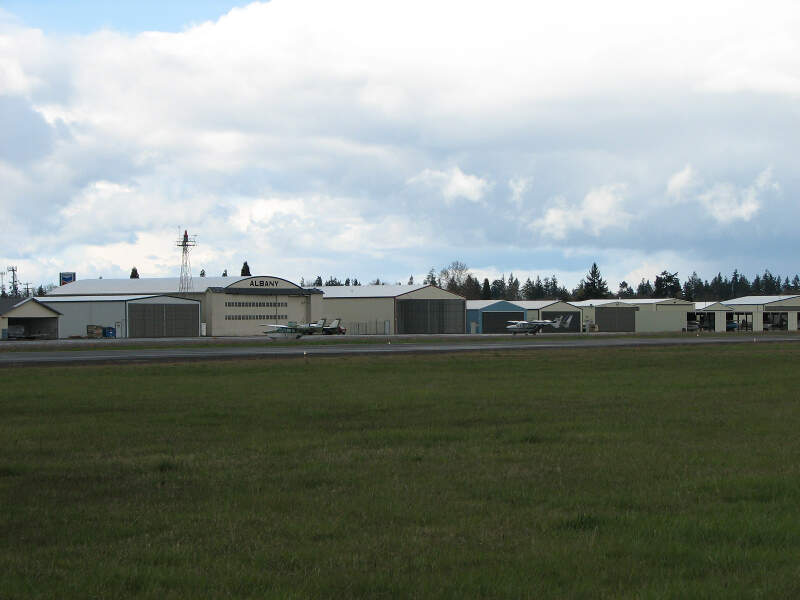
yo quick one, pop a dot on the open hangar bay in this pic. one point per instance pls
(241, 306)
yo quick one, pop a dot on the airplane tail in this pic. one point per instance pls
(564, 322)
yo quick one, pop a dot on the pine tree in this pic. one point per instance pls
(134, 273)
(245, 269)
(594, 286)
(486, 290)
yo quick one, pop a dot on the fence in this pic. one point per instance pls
(368, 327)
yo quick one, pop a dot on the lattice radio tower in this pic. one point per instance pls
(186, 243)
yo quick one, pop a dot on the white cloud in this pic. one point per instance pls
(301, 129)
(519, 187)
(681, 183)
(727, 203)
(601, 209)
(453, 184)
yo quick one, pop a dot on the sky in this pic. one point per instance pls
(376, 139)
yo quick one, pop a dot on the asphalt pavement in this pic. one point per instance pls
(299, 349)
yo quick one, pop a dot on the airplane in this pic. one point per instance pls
(334, 328)
(293, 329)
(536, 326)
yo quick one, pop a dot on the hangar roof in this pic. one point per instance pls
(603, 301)
(146, 286)
(49, 299)
(368, 291)
(9, 304)
(758, 299)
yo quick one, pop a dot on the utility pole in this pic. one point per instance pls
(14, 282)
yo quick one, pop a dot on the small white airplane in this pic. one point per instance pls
(295, 330)
(534, 327)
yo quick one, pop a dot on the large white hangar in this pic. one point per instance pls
(390, 309)
(223, 306)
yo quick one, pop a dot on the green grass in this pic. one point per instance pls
(616, 473)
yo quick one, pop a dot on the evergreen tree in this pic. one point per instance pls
(693, 288)
(486, 290)
(245, 269)
(134, 273)
(430, 278)
(528, 290)
(472, 288)
(624, 290)
(499, 288)
(644, 289)
(667, 285)
(538, 289)
(592, 287)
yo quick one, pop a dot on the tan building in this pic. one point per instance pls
(228, 306)
(390, 309)
(640, 315)
(27, 319)
(764, 313)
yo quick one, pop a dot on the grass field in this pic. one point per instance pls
(618, 473)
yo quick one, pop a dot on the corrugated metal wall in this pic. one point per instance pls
(431, 316)
(615, 318)
(496, 322)
(163, 320)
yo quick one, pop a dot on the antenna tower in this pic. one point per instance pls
(186, 243)
(14, 282)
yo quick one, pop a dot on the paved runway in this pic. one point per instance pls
(299, 349)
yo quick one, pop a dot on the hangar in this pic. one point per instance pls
(226, 306)
(765, 313)
(641, 315)
(492, 316)
(27, 319)
(127, 316)
(390, 309)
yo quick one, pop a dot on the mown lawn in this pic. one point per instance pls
(639, 473)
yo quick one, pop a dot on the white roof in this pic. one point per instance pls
(535, 304)
(149, 286)
(49, 299)
(758, 300)
(367, 291)
(599, 302)
(631, 301)
(479, 304)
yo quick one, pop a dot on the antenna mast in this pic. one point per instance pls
(14, 283)
(186, 243)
